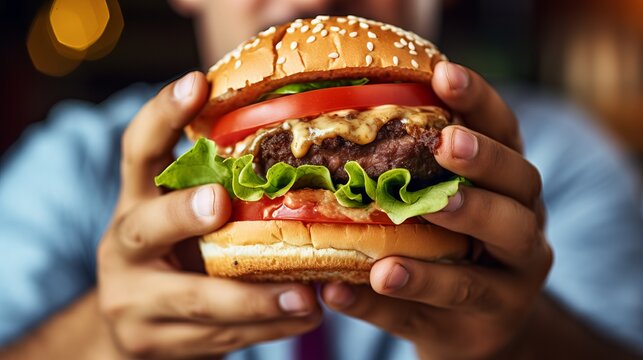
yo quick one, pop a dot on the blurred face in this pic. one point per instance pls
(223, 24)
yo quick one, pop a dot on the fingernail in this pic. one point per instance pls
(342, 295)
(292, 302)
(203, 202)
(397, 278)
(455, 202)
(183, 87)
(457, 76)
(465, 145)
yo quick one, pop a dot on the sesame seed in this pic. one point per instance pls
(271, 30)
(296, 24)
(372, 35)
(293, 45)
(237, 64)
(411, 45)
(281, 60)
(318, 28)
(333, 55)
(290, 30)
(323, 17)
(342, 32)
(385, 27)
(413, 52)
(255, 43)
(369, 60)
(353, 34)
(370, 46)
(324, 33)
(351, 17)
(334, 28)
(363, 25)
(403, 41)
(396, 60)
(299, 20)
(247, 46)
(278, 46)
(341, 20)
(304, 28)
(352, 22)
(398, 45)
(315, 21)
(236, 53)
(414, 63)
(310, 39)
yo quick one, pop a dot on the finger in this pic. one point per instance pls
(151, 228)
(361, 302)
(149, 140)
(481, 108)
(508, 230)
(179, 340)
(445, 286)
(489, 164)
(225, 301)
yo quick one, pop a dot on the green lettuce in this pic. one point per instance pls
(313, 85)
(201, 165)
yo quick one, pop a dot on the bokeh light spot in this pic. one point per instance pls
(41, 49)
(78, 23)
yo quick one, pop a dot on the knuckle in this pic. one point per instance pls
(111, 308)
(193, 305)
(528, 243)
(136, 343)
(224, 339)
(128, 233)
(495, 155)
(428, 285)
(536, 187)
(256, 307)
(464, 292)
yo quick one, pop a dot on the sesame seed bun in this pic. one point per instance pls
(322, 48)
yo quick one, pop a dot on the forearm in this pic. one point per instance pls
(553, 333)
(78, 332)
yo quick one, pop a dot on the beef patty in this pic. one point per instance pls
(394, 147)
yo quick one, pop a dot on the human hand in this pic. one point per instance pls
(154, 309)
(466, 311)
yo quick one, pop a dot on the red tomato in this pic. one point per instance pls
(236, 125)
(306, 210)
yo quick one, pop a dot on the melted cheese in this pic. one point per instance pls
(359, 127)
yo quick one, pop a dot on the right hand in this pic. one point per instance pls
(153, 308)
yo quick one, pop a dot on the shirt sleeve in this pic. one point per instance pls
(58, 186)
(594, 221)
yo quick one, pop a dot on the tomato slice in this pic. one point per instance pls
(236, 125)
(309, 206)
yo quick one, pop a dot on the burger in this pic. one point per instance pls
(323, 133)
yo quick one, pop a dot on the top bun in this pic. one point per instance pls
(323, 48)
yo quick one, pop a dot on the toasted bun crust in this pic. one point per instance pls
(314, 49)
(294, 251)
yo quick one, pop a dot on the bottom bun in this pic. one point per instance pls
(294, 251)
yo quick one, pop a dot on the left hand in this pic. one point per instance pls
(466, 311)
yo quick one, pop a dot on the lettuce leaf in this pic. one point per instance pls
(200, 165)
(314, 85)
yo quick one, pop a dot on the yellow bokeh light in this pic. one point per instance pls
(66, 32)
(42, 52)
(78, 24)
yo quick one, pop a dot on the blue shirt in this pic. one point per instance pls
(59, 183)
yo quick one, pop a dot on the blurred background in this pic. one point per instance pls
(589, 51)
